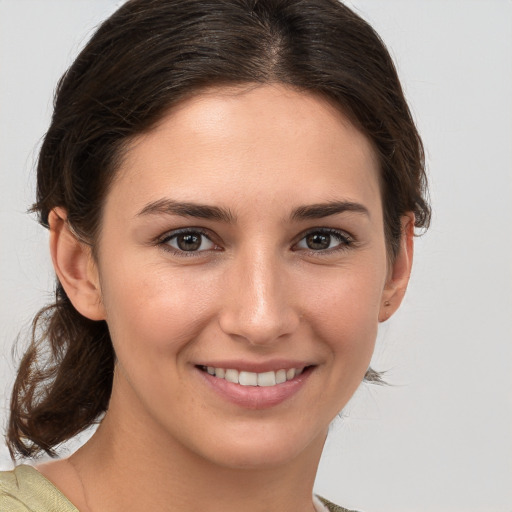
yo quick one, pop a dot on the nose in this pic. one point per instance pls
(259, 304)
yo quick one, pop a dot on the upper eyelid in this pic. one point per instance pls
(207, 232)
(342, 232)
(348, 242)
(174, 232)
(212, 236)
(162, 242)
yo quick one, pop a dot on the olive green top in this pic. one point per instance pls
(26, 490)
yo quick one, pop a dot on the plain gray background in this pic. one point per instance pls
(440, 438)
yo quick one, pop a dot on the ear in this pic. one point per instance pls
(75, 267)
(399, 272)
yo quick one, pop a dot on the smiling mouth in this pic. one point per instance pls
(264, 379)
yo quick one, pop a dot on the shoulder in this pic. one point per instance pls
(25, 490)
(331, 507)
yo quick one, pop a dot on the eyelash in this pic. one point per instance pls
(345, 241)
(164, 241)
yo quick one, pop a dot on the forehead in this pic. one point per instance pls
(249, 145)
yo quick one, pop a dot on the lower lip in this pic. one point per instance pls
(256, 397)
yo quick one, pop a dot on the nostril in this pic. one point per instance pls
(260, 327)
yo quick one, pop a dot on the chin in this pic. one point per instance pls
(261, 449)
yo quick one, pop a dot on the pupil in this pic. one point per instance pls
(189, 242)
(318, 241)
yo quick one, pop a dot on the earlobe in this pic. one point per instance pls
(400, 271)
(75, 267)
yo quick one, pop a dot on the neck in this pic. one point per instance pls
(130, 464)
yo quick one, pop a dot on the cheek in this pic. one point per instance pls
(345, 321)
(343, 310)
(153, 310)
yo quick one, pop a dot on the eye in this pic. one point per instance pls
(188, 241)
(324, 240)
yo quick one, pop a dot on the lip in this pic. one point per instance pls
(255, 397)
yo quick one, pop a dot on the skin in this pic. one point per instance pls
(257, 293)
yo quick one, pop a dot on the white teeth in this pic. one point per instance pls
(231, 376)
(267, 379)
(280, 376)
(264, 379)
(248, 379)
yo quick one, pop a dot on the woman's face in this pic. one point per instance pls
(243, 237)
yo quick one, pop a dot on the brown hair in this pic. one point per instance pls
(145, 58)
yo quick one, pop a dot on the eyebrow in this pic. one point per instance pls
(321, 210)
(185, 209)
(202, 211)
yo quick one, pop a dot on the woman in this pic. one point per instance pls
(231, 189)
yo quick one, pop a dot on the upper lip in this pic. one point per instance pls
(256, 367)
